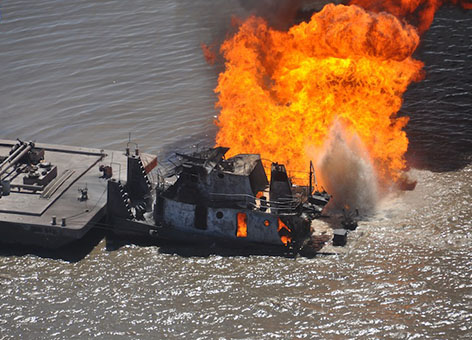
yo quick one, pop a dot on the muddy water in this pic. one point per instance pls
(87, 73)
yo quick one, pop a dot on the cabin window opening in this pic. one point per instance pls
(241, 230)
(219, 215)
(266, 223)
(285, 232)
(201, 217)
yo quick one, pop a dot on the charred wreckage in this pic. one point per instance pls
(52, 195)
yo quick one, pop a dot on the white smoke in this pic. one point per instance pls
(347, 172)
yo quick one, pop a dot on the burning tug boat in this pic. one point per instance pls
(213, 199)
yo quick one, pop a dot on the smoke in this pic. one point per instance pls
(280, 14)
(348, 174)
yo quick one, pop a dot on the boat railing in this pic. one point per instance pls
(257, 203)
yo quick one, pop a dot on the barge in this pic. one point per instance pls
(51, 195)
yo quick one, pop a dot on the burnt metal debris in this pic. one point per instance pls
(52, 195)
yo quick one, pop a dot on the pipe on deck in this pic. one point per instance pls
(16, 159)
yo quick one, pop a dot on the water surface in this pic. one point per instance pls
(89, 72)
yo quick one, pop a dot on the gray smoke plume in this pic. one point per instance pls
(280, 14)
(347, 172)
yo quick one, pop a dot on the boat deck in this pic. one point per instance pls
(52, 213)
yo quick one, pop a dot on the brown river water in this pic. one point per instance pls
(89, 72)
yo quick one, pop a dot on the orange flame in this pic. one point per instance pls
(466, 4)
(418, 12)
(282, 227)
(241, 230)
(282, 91)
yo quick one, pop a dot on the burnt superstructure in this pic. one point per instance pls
(215, 199)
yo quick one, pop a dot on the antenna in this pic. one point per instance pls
(136, 150)
(312, 176)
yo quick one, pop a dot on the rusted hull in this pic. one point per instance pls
(222, 223)
(171, 237)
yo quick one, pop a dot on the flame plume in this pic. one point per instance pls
(418, 12)
(282, 91)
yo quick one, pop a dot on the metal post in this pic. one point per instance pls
(311, 178)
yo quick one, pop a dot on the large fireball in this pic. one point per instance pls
(281, 92)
